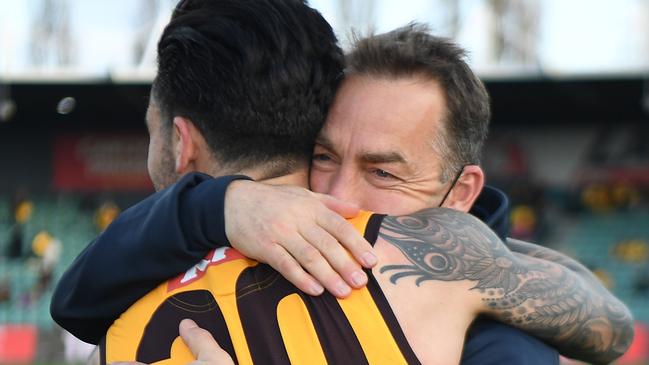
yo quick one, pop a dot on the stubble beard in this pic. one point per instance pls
(165, 173)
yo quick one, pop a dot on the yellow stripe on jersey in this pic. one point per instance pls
(360, 221)
(299, 335)
(366, 319)
(230, 312)
(123, 337)
(370, 329)
(229, 309)
(179, 354)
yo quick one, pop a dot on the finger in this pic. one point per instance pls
(337, 259)
(348, 236)
(345, 209)
(202, 344)
(290, 269)
(311, 259)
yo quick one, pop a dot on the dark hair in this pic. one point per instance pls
(412, 51)
(256, 77)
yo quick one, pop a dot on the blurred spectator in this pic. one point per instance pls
(48, 250)
(604, 277)
(603, 198)
(21, 211)
(105, 215)
(523, 222)
(624, 196)
(15, 247)
(632, 251)
(596, 198)
(527, 217)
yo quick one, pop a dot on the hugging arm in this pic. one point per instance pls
(146, 245)
(173, 229)
(546, 254)
(548, 300)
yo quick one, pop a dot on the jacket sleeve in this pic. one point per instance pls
(492, 343)
(147, 244)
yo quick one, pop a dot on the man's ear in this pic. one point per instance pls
(467, 189)
(186, 148)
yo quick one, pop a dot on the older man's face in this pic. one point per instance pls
(378, 148)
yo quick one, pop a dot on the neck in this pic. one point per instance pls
(299, 178)
(296, 177)
(296, 174)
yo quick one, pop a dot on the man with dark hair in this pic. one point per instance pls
(395, 122)
(264, 74)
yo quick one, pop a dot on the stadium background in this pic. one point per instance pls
(569, 83)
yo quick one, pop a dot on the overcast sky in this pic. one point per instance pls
(576, 36)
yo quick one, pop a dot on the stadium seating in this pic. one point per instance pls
(594, 239)
(62, 218)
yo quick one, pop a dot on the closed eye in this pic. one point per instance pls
(321, 157)
(384, 175)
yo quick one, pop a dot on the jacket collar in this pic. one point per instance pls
(492, 207)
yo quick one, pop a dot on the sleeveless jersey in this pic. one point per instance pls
(259, 317)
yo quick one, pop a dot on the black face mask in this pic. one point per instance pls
(455, 180)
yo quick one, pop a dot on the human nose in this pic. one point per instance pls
(344, 187)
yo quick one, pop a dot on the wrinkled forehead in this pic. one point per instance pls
(384, 115)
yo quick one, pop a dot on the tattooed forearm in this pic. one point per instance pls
(582, 320)
(615, 311)
(546, 254)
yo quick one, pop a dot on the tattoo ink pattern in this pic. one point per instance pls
(451, 259)
(544, 298)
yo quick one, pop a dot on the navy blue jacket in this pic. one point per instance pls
(173, 229)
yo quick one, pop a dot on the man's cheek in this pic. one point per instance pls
(319, 181)
(386, 202)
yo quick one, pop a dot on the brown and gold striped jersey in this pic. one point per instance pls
(259, 317)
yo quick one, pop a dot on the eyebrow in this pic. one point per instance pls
(367, 157)
(325, 142)
(382, 157)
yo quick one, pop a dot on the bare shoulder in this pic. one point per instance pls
(419, 256)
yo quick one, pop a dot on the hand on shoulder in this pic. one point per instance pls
(301, 234)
